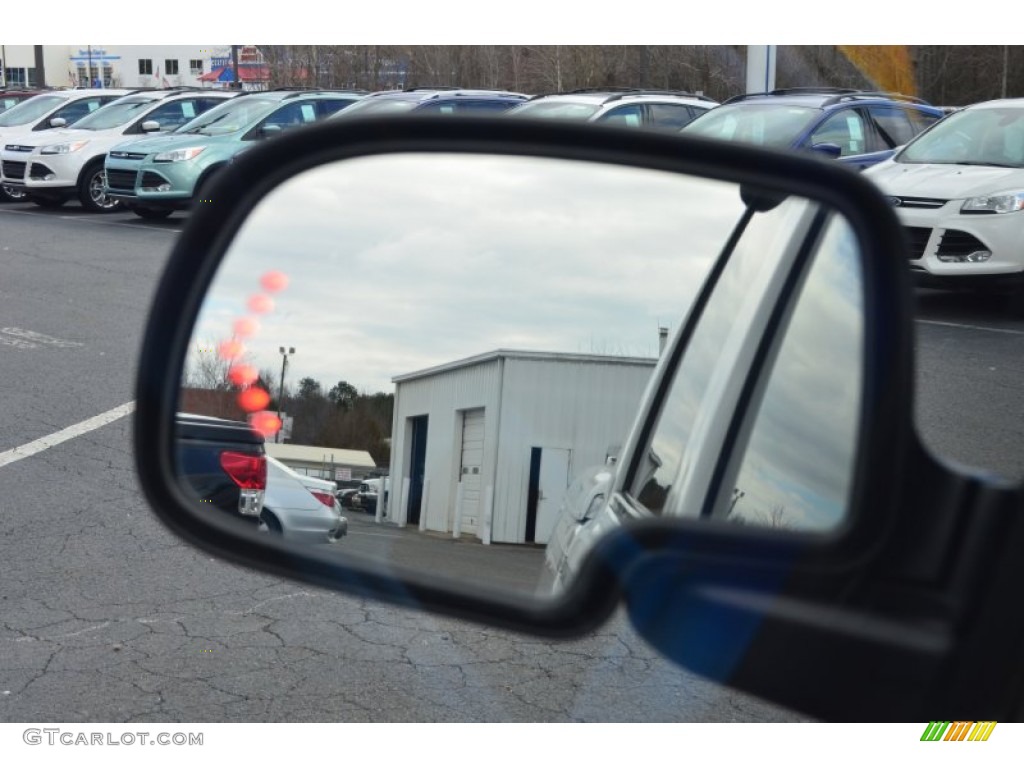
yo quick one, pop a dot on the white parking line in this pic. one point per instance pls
(75, 430)
(33, 339)
(1012, 331)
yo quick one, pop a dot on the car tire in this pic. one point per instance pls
(90, 190)
(152, 213)
(270, 522)
(12, 195)
(47, 202)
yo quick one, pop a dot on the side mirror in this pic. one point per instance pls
(149, 126)
(827, 149)
(269, 131)
(58, 122)
(769, 488)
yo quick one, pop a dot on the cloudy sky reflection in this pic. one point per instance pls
(401, 262)
(798, 467)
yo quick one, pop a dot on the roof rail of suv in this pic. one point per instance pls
(646, 92)
(605, 89)
(419, 88)
(877, 95)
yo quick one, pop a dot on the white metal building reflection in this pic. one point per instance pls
(487, 445)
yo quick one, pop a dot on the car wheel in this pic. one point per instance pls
(152, 213)
(269, 522)
(91, 193)
(47, 202)
(12, 195)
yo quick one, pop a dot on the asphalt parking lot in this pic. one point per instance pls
(105, 616)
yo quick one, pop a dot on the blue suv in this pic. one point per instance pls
(438, 101)
(860, 128)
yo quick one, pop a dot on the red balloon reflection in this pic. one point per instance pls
(274, 281)
(266, 423)
(253, 399)
(246, 326)
(261, 304)
(230, 350)
(242, 375)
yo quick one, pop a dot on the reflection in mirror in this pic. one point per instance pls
(797, 468)
(434, 347)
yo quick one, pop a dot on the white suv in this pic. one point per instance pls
(625, 107)
(56, 166)
(958, 189)
(47, 111)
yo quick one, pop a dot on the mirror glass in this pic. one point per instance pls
(443, 354)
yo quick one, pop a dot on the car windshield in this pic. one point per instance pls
(30, 110)
(771, 125)
(379, 107)
(986, 136)
(564, 110)
(229, 117)
(115, 114)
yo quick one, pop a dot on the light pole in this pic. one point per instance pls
(280, 391)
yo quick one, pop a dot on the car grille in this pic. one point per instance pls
(918, 202)
(18, 148)
(917, 240)
(152, 180)
(13, 170)
(128, 155)
(121, 179)
(39, 171)
(957, 243)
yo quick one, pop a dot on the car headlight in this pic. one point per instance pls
(1004, 202)
(178, 155)
(63, 149)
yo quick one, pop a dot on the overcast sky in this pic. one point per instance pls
(401, 262)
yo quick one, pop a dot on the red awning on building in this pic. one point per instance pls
(247, 73)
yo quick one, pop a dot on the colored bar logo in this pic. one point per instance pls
(958, 731)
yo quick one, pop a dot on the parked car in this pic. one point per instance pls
(625, 107)
(300, 508)
(369, 492)
(49, 110)
(438, 101)
(347, 489)
(156, 176)
(10, 97)
(55, 167)
(958, 189)
(860, 128)
(222, 462)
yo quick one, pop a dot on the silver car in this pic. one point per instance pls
(301, 508)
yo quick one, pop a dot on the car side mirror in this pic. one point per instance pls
(149, 126)
(768, 486)
(828, 149)
(58, 122)
(269, 131)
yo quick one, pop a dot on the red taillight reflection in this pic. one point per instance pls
(248, 472)
(324, 498)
